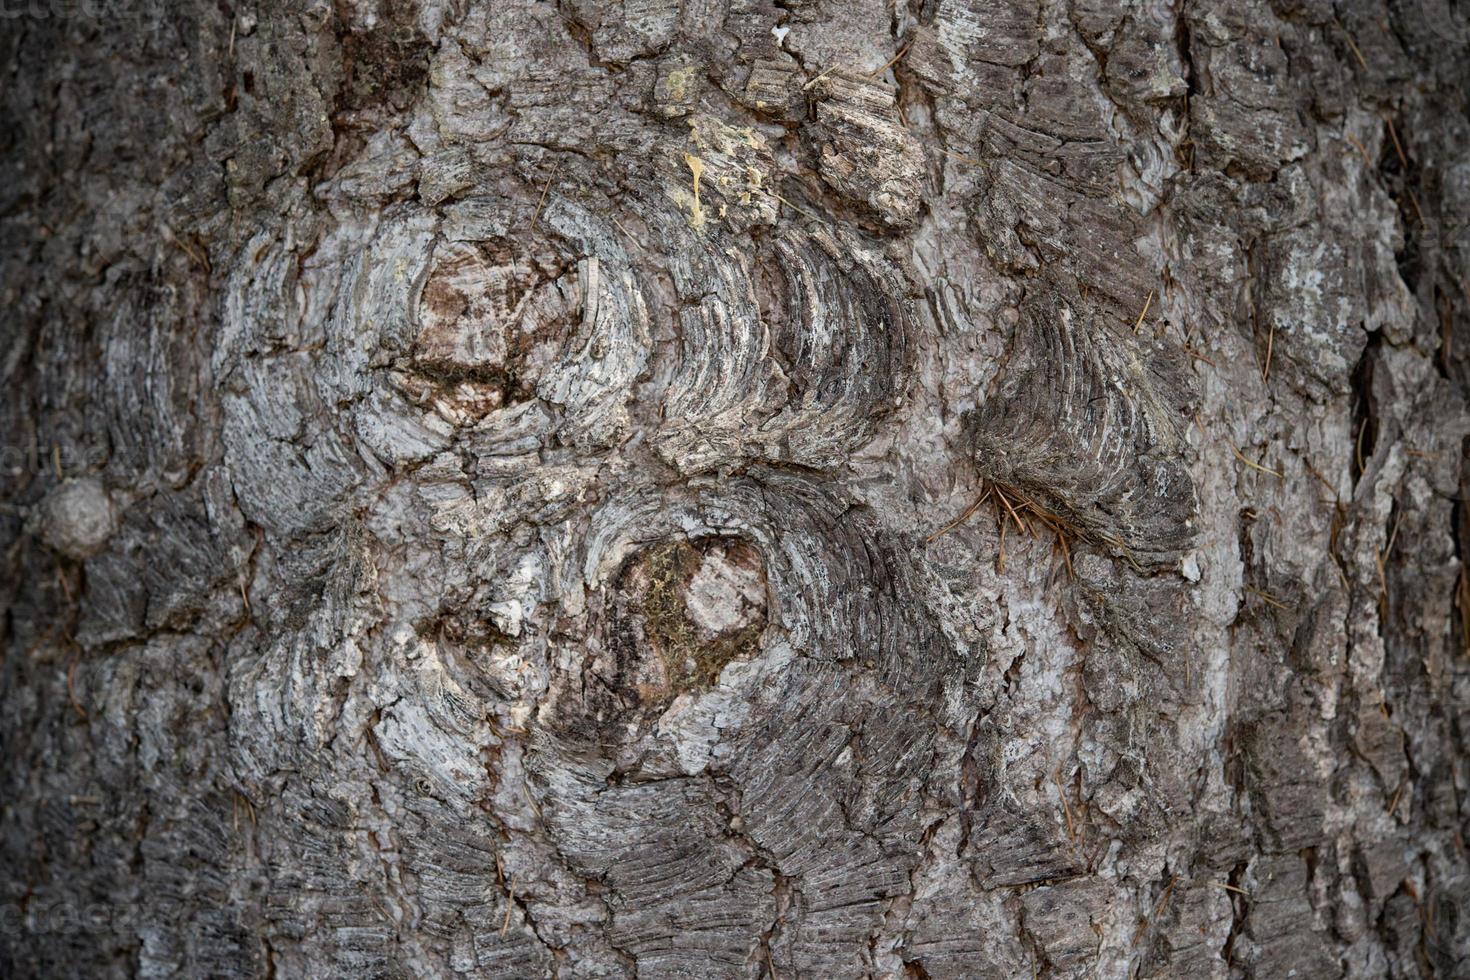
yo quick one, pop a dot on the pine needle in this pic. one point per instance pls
(509, 905)
(1251, 463)
(1417, 210)
(1005, 502)
(1354, 45)
(1462, 600)
(1146, 304)
(1361, 148)
(961, 157)
(1393, 536)
(1057, 525)
(1322, 480)
(1016, 506)
(795, 207)
(1000, 558)
(817, 79)
(542, 200)
(534, 808)
(962, 518)
(1066, 808)
(1067, 557)
(1267, 598)
(1398, 147)
(1165, 897)
(890, 62)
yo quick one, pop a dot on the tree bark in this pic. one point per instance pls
(961, 488)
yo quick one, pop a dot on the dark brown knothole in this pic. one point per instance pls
(490, 317)
(658, 589)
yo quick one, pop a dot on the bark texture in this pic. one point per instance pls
(474, 477)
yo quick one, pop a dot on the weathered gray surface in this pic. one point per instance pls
(471, 474)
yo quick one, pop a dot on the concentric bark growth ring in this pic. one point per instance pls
(492, 318)
(1094, 431)
(840, 323)
(787, 351)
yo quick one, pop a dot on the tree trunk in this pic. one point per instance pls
(968, 488)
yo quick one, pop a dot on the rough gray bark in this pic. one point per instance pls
(475, 476)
